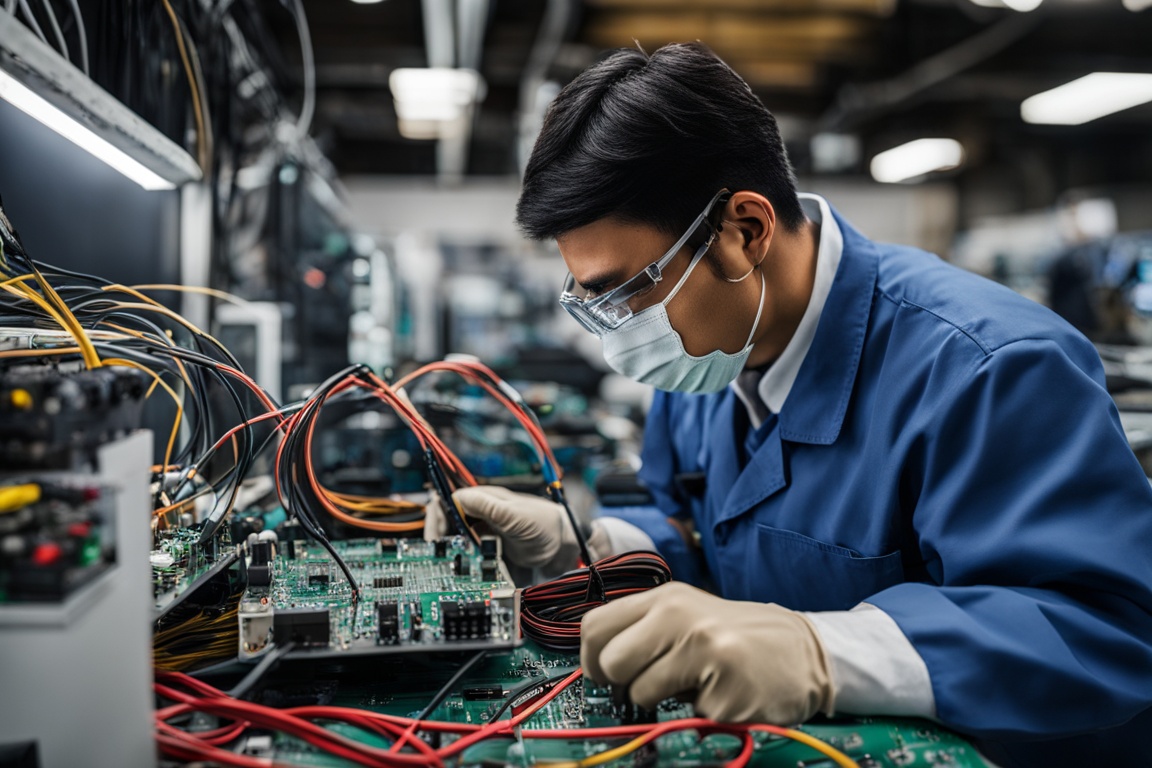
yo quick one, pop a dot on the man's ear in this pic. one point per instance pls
(751, 217)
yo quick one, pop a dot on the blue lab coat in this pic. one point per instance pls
(949, 454)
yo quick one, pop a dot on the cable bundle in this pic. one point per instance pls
(408, 749)
(508, 397)
(550, 613)
(301, 492)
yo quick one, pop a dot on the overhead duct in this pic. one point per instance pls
(535, 91)
(440, 102)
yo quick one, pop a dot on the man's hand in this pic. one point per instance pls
(739, 661)
(536, 532)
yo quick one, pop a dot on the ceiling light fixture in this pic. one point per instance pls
(1017, 5)
(1087, 98)
(367, 2)
(35, 106)
(915, 159)
(434, 102)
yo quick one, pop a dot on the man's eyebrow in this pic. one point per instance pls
(598, 283)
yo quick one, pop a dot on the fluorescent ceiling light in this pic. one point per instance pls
(1016, 5)
(432, 100)
(34, 105)
(1087, 98)
(367, 2)
(915, 159)
(1023, 5)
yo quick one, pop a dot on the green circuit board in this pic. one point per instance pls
(405, 688)
(180, 563)
(414, 596)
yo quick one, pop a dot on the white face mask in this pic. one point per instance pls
(648, 349)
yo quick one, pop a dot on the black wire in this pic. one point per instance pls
(550, 612)
(544, 684)
(596, 588)
(267, 662)
(444, 492)
(300, 503)
(447, 688)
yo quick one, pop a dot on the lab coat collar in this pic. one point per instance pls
(815, 408)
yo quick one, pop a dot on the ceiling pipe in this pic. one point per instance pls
(439, 33)
(857, 102)
(454, 37)
(534, 96)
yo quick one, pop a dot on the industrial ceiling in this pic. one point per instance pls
(869, 74)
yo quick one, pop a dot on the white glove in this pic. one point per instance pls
(536, 532)
(740, 661)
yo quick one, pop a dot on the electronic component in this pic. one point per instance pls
(53, 415)
(483, 693)
(181, 565)
(260, 564)
(465, 621)
(388, 623)
(412, 597)
(305, 627)
(56, 535)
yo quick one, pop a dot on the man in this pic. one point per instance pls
(909, 485)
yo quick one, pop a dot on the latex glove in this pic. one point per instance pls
(535, 531)
(738, 661)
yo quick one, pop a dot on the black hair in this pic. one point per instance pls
(649, 140)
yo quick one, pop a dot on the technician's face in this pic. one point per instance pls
(706, 313)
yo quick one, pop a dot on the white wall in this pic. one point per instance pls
(923, 215)
(388, 205)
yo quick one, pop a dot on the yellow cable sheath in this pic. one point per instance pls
(608, 755)
(223, 295)
(160, 341)
(91, 357)
(15, 497)
(91, 360)
(40, 352)
(171, 392)
(153, 306)
(822, 747)
(201, 136)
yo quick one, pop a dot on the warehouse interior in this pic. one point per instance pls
(268, 316)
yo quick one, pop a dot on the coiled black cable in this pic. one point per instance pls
(550, 612)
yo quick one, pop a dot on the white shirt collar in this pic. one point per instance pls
(777, 381)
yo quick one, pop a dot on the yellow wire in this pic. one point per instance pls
(201, 136)
(822, 747)
(169, 390)
(608, 755)
(39, 352)
(152, 305)
(164, 340)
(224, 295)
(91, 359)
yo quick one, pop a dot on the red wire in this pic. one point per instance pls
(185, 745)
(484, 376)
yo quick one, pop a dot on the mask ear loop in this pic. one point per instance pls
(759, 309)
(747, 274)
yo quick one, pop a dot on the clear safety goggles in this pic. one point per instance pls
(609, 311)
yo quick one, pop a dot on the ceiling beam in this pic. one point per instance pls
(867, 7)
(738, 35)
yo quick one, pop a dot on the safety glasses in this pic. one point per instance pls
(609, 311)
